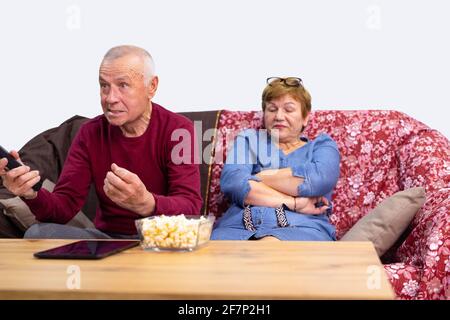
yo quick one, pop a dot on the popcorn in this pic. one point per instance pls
(174, 231)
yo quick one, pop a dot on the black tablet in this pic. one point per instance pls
(87, 249)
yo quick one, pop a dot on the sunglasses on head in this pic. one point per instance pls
(289, 81)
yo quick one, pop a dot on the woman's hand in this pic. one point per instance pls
(308, 205)
(19, 181)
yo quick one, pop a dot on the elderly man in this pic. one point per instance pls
(126, 153)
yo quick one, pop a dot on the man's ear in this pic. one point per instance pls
(152, 87)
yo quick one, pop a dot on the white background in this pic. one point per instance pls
(214, 54)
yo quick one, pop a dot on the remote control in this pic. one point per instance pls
(13, 163)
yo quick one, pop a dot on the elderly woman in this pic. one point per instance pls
(279, 182)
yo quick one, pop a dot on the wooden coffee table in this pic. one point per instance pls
(218, 270)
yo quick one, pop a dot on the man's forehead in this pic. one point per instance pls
(120, 73)
(121, 68)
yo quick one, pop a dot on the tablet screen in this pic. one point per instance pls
(87, 249)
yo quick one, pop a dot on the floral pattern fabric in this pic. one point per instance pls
(382, 152)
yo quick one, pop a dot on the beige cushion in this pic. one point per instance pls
(384, 224)
(21, 215)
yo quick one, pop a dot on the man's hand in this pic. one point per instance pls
(128, 191)
(19, 181)
(308, 205)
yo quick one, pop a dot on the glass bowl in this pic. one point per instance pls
(174, 233)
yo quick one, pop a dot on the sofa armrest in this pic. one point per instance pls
(424, 161)
(427, 247)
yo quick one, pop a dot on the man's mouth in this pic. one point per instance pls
(114, 112)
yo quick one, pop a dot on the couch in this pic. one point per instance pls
(382, 152)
